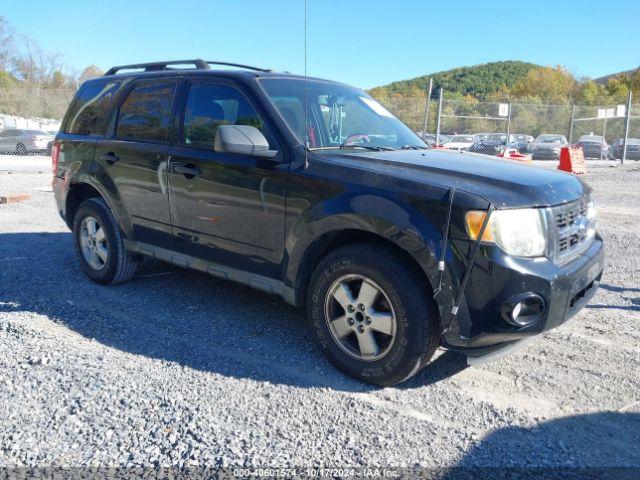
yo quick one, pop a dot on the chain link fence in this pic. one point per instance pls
(30, 116)
(599, 130)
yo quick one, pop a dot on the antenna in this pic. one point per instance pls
(306, 91)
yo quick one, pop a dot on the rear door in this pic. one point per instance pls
(132, 160)
(226, 208)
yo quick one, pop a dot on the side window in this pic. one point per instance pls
(91, 108)
(146, 112)
(212, 105)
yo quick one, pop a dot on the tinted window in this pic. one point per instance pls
(211, 105)
(91, 108)
(146, 113)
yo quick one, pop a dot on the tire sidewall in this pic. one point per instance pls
(97, 209)
(403, 358)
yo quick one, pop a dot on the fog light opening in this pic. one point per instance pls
(523, 310)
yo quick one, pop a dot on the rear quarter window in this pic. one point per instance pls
(91, 107)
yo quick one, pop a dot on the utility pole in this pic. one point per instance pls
(440, 95)
(623, 157)
(425, 125)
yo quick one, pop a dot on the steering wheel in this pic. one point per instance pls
(356, 138)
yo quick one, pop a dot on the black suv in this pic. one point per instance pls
(311, 190)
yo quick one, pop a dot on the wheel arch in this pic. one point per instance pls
(407, 244)
(80, 191)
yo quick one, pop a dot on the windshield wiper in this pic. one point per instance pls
(414, 147)
(375, 148)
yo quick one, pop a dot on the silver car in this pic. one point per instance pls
(22, 142)
(548, 146)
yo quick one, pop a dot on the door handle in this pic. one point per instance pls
(110, 157)
(189, 170)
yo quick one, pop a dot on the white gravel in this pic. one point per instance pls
(177, 368)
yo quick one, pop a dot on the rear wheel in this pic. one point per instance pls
(99, 244)
(372, 314)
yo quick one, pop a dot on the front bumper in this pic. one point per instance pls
(545, 154)
(480, 327)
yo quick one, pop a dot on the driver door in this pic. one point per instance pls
(226, 208)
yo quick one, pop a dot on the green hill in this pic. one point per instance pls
(479, 81)
(627, 74)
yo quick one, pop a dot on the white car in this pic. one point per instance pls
(22, 142)
(459, 142)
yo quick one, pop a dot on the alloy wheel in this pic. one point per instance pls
(360, 317)
(93, 243)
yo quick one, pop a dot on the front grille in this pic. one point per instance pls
(571, 231)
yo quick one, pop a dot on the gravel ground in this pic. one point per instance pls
(178, 368)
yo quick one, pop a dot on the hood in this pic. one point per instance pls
(505, 183)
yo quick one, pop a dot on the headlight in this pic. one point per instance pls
(519, 232)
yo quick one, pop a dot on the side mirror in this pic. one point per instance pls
(244, 140)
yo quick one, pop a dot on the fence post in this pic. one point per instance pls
(440, 95)
(425, 125)
(604, 134)
(573, 119)
(508, 121)
(623, 157)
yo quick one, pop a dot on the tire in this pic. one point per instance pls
(21, 149)
(403, 295)
(117, 265)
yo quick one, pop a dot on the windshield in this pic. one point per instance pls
(338, 116)
(549, 139)
(495, 137)
(462, 139)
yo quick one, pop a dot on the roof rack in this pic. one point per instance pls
(197, 63)
(239, 65)
(155, 66)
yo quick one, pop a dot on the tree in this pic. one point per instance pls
(589, 93)
(547, 83)
(91, 71)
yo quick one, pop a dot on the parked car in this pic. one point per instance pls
(459, 142)
(21, 142)
(548, 146)
(633, 148)
(520, 142)
(430, 139)
(372, 232)
(489, 143)
(594, 147)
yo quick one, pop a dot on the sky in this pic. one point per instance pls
(363, 43)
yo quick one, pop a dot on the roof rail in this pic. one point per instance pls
(156, 66)
(197, 63)
(239, 65)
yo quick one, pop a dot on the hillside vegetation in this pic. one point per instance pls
(479, 81)
(500, 81)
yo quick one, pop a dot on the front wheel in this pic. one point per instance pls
(99, 244)
(372, 313)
